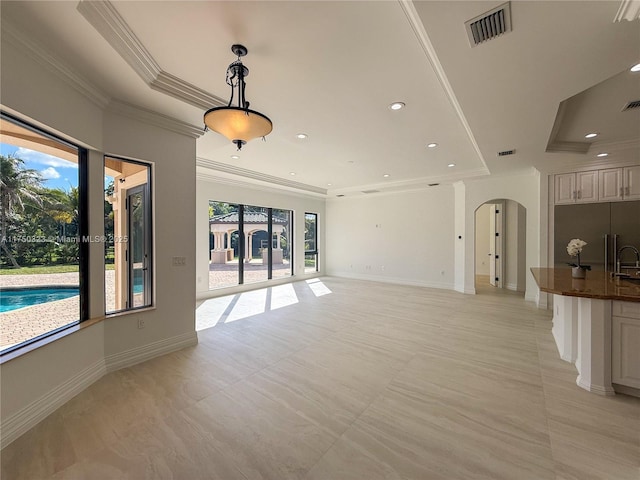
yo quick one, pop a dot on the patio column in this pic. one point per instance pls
(247, 243)
(278, 236)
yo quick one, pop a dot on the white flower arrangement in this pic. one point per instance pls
(574, 248)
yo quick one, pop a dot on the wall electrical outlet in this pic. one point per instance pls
(141, 323)
(179, 261)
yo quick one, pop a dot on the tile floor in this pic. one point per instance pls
(336, 379)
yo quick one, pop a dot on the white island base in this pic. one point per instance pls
(602, 339)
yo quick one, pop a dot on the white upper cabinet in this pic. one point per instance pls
(620, 184)
(631, 180)
(609, 185)
(581, 187)
(587, 186)
(565, 188)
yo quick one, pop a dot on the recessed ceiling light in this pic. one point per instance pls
(302, 136)
(432, 145)
(451, 165)
(235, 157)
(636, 68)
(386, 175)
(293, 174)
(603, 154)
(329, 184)
(591, 135)
(396, 105)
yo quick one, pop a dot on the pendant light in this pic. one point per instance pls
(238, 123)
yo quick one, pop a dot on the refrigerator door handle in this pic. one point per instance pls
(606, 252)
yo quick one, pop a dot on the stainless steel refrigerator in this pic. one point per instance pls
(606, 227)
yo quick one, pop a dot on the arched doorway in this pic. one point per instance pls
(500, 246)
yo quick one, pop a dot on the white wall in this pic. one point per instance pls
(173, 201)
(35, 383)
(524, 189)
(482, 239)
(515, 254)
(405, 238)
(223, 191)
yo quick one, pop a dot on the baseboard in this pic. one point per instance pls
(535, 297)
(393, 280)
(140, 354)
(597, 389)
(634, 392)
(29, 416)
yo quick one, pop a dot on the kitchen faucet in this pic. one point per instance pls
(619, 254)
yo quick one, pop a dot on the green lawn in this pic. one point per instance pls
(40, 270)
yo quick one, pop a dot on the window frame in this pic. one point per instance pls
(149, 237)
(315, 241)
(83, 230)
(242, 247)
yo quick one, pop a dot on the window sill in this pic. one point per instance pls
(49, 339)
(130, 311)
(67, 331)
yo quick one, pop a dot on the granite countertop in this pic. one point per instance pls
(597, 284)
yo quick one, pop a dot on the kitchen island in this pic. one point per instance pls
(596, 325)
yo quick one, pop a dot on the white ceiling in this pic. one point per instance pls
(331, 68)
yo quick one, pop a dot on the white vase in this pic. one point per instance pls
(578, 272)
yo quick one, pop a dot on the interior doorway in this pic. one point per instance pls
(500, 247)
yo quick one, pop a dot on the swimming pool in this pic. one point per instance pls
(14, 298)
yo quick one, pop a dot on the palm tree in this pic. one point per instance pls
(18, 186)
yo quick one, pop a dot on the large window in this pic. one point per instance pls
(127, 228)
(43, 240)
(310, 242)
(248, 244)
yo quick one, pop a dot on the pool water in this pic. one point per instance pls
(12, 299)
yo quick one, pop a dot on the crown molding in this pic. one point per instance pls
(154, 118)
(103, 16)
(577, 166)
(614, 147)
(261, 177)
(629, 10)
(188, 93)
(554, 145)
(411, 184)
(423, 38)
(13, 36)
(210, 176)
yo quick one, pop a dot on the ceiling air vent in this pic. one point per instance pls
(489, 25)
(631, 105)
(504, 153)
(339, 195)
(433, 184)
(370, 191)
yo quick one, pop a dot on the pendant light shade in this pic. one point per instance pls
(238, 123)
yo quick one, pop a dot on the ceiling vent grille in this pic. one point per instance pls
(489, 25)
(504, 153)
(631, 105)
(370, 191)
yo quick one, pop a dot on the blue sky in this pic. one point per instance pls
(57, 172)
